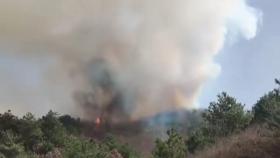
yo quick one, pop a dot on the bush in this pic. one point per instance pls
(82, 148)
(10, 147)
(266, 107)
(113, 144)
(31, 133)
(225, 116)
(173, 147)
(254, 142)
(222, 118)
(53, 130)
(72, 125)
(198, 139)
(45, 147)
(8, 121)
(274, 120)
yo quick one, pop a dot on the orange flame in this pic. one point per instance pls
(97, 121)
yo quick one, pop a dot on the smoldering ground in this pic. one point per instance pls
(125, 59)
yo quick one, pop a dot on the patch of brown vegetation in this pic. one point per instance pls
(56, 153)
(253, 143)
(115, 154)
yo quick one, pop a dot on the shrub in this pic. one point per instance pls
(222, 118)
(81, 148)
(10, 147)
(72, 125)
(8, 121)
(198, 139)
(31, 133)
(254, 142)
(225, 116)
(53, 130)
(113, 144)
(173, 147)
(267, 105)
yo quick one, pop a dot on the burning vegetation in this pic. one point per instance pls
(225, 130)
(129, 68)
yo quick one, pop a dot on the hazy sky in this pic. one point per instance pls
(249, 67)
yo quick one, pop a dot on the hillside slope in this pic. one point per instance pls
(252, 143)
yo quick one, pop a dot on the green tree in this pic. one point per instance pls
(267, 106)
(53, 130)
(81, 148)
(124, 149)
(11, 147)
(173, 147)
(31, 133)
(8, 121)
(72, 125)
(274, 120)
(225, 116)
(17, 134)
(198, 139)
(222, 118)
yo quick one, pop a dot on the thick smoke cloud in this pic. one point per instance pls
(140, 57)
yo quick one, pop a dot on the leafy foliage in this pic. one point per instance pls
(28, 137)
(199, 139)
(81, 148)
(72, 125)
(267, 107)
(31, 133)
(225, 116)
(125, 150)
(9, 122)
(173, 147)
(10, 147)
(222, 118)
(52, 128)
(76, 147)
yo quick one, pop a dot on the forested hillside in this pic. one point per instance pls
(226, 129)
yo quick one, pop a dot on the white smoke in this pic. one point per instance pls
(159, 52)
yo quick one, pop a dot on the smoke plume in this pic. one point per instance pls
(125, 58)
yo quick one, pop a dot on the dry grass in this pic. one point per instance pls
(252, 143)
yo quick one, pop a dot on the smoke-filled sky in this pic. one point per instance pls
(79, 56)
(249, 67)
